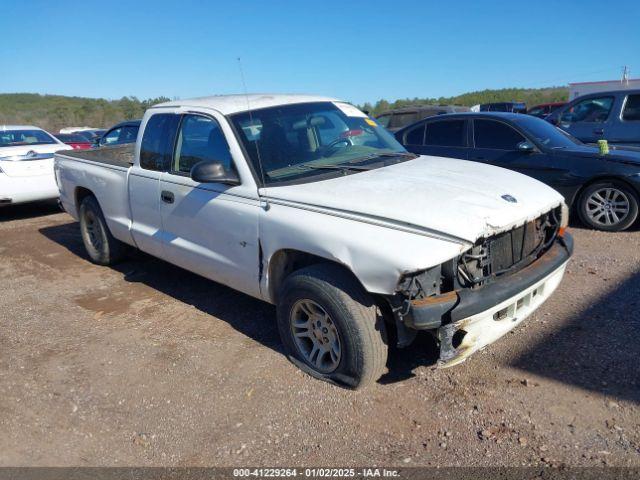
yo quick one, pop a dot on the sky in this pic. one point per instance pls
(351, 49)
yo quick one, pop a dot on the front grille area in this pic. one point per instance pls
(509, 251)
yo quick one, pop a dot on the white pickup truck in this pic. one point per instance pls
(307, 203)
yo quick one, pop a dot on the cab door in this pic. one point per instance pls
(212, 228)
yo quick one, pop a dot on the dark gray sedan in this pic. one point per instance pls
(603, 189)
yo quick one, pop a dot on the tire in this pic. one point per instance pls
(100, 245)
(331, 295)
(611, 206)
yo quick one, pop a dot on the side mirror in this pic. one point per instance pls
(213, 172)
(526, 147)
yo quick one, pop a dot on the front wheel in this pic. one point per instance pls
(610, 206)
(330, 327)
(102, 247)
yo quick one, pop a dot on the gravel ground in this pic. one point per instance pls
(147, 364)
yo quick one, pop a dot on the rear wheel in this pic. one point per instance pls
(610, 206)
(331, 327)
(102, 247)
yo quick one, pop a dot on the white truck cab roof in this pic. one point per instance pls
(230, 104)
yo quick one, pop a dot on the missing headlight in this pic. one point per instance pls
(415, 286)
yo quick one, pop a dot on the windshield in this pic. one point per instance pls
(546, 134)
(297, 141)
(12, 138)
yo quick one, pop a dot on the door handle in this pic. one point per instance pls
(599, 131)
(167, 197)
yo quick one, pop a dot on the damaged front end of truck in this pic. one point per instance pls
(475, 298)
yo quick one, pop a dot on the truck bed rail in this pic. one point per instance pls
(117, 155)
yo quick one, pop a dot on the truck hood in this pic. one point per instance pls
(461, 200)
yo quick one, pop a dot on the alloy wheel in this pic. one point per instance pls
(315, 335)
(607, 206)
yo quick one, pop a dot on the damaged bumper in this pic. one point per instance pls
(476, 318)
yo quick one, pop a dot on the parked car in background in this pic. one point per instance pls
(544, 109)
(612, 116)
(77, 141)
(513, 107)
(92, 135)
(603, 189)
(26, 164)
(121, 133)
(307, 203)
(77, 129)
(395, 119)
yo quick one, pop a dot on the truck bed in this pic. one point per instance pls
(116, 155)
(104, 172)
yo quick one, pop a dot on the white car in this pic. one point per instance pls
(307, 203)
(77, 129)
(26, 164)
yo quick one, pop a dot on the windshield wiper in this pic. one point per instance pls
(348, 166)
(334, 167)
(384, 155)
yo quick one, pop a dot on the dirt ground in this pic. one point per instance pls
(147, 364)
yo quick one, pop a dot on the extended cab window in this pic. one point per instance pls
(157, 141)
(631, 110)
(200, 139)
(446, 133)
(495, 135)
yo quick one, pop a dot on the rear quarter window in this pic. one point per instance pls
(447, 133)
(159, 136)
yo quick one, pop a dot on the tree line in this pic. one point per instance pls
(530, 96)
(53, 112)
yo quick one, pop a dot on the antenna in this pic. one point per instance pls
(625, 75)
(246, 94)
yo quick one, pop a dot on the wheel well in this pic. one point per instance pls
(81, 194)
(286, 261)
(578, 194)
